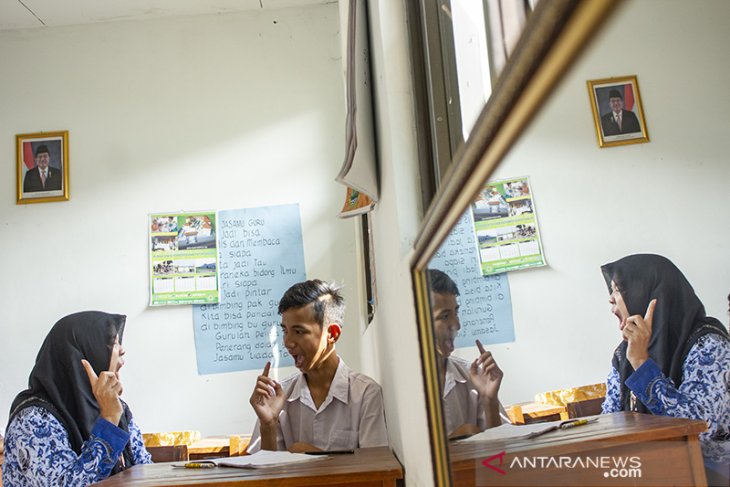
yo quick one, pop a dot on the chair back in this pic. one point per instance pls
(161, 454)
(589, 407)
(238, 445)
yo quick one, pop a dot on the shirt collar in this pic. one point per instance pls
(296, 392)
(339, 389)
(452, 376)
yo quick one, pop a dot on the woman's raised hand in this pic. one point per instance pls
(106, 388)
(638, 333)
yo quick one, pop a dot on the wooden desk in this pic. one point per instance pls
(367, 467)
(668, 450)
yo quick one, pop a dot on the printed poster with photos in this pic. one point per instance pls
(183, 258)
(505, 224)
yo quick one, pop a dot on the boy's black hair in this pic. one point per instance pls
(329, 304)
(441, 283)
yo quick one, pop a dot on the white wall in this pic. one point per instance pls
(215, 112)
(668, 196)
(396, 221)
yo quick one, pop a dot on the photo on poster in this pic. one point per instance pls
(196, 232)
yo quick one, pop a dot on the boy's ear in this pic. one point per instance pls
(334, 330)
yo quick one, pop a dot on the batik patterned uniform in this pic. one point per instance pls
(704, 393)
(39, 452)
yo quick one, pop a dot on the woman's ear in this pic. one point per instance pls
(333, 331)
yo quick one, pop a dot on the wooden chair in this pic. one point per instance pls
(533, 412)
(210, 447)
(514, 412)
(238, 445)
(580, 409)
(161, 454)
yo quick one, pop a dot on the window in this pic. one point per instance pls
(458, 48)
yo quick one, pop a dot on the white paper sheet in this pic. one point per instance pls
(510, 431)
(266, 458)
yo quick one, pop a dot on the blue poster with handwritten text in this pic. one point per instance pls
(485, 310)
(261, 256)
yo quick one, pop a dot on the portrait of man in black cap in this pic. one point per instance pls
(618, 121)
(42, 177)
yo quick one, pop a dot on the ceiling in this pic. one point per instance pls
(29, 14)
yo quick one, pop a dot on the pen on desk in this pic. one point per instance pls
(573, 424)
(200, 465)
(330, 452)
(562, 426)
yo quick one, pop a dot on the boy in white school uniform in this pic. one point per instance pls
(325, 406)
(470, 396)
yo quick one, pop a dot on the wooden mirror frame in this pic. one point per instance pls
(556, 33)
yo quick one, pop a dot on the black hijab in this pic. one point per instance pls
(679, 316)
(59, 383)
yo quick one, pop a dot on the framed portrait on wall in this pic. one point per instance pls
(42, 167)
(617, 111)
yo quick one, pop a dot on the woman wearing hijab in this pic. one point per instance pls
(674, 360)
(70, 426)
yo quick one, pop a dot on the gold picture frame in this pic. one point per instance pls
(617, 111)
(42, 167)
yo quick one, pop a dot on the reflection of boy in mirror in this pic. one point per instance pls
(470, 395)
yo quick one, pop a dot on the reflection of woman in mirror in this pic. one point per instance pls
(470, 395)
(673, 360)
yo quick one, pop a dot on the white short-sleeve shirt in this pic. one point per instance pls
(461, 400)
(351, 416)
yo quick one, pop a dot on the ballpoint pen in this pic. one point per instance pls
(330, 452)
(199, 464)
(579, 422)
(572, 423)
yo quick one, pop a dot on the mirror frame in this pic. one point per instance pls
(555, 34)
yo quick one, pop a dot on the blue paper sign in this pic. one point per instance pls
(261, 256)
(485, 310)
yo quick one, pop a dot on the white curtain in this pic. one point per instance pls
(359, 168)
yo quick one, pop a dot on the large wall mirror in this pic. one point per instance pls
(594, 205)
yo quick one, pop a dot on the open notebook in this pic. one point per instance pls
(266, 458)
(510, 431)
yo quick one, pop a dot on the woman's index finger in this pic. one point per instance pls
(649, 316)
(89, 372)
